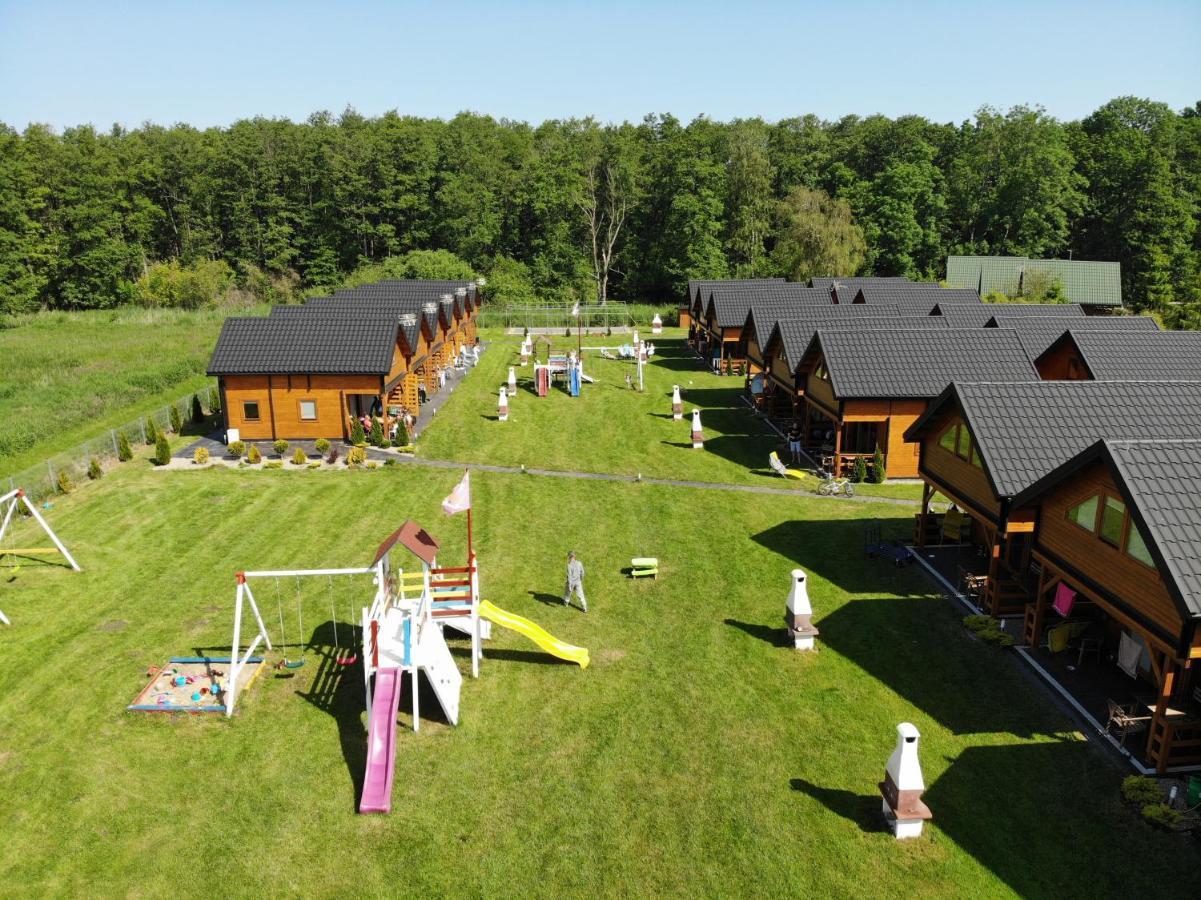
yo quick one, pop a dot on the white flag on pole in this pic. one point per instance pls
(460, 498)
(575, 310)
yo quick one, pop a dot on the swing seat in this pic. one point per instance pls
(348, 660)
(294, 664)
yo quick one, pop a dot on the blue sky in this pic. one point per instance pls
(213, 62)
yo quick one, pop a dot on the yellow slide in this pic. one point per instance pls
(536, 633)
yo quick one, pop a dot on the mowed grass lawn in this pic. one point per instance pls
(611, 428)
(68, 377)
(698, 755)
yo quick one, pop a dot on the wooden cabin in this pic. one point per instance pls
(1118, 537)
(725, 317)
(692, 310)
(983, 444)
(303, 377)
(1135, 350)
(864, 388)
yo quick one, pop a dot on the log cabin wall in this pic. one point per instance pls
(1132, 585)
(1063, 363)
(961, 478)
(278, 399)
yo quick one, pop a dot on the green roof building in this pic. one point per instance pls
(1097, 284)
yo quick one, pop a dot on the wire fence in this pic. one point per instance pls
(592, 317)
(46, 478)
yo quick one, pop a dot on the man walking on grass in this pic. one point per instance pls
(575, 581)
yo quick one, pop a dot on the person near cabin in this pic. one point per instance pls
(794, 441)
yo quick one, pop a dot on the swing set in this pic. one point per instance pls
(9, 504)
(245, 597)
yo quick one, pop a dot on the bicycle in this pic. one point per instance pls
(831, 486)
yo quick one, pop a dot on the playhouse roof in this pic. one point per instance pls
(413, 538)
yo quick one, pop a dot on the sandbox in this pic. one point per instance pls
(193, 684)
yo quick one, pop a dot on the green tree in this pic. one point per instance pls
(124, 451)
(162, 449)
(749, 200)
(816, 235)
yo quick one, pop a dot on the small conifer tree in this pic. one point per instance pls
(151, 433)
(124, 451)
(357, 435)
(376, 439)
(162, 450)
(65, 485)
(197, 410)
(94, 470)
(176, 419)
(859, 470)
(879, 469)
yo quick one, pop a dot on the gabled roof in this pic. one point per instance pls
(909, 292)
(702, 286)
(729, 306)
(854, 282)
(305, 345)
(1083, 281)
(762, 316)
(977, 315)
(1161, 482)
(1039, 333)
(406, 312)
(1143, 353)
(919, 363)
(1024, 431)
(413, 538)
(795, 329)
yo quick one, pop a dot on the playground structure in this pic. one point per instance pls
(567, 366)
(10, 503)
(402, 633)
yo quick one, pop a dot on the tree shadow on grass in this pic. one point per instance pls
(864, 810)
(833, 549)
(776, 636)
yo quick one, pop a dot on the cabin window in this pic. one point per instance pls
(1113, 517)
(1137, 547)
(308, 410)
(976, 460)
(250, 410)
(821, 372)
(963, 444)
(947, 441)
(1085, 514)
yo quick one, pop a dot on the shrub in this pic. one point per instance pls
(151, 433)
(280, 447)
(322, 445)
(608, 330)
(859, 470)
(176, 419)
(879, 468)
(124, 451)
(376, 438)
(1141, 789)
(197, 410)
(333, 456)
(274, 464)
(1162, 816)
(356, 456)
(94, 470)
(236, 449)
(215, 402)
(357, 435)
(65, 485)
(253, 456)
(298, 458)
(566, 332)
(390, 462)
(200, 456)
(989, 630)
(402, 434)
(171, 284)
(315, 464)
(162, 450)
(373, 465)
(977, 623)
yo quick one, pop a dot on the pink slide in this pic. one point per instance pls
(381, 743)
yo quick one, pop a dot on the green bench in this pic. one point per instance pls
(641, 566)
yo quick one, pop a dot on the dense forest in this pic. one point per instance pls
(270, 209)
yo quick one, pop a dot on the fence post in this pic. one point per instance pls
(50, 469)
(142, 425)
(113, 434)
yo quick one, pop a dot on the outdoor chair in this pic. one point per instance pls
(1124, 722)
(782, 470)
(971, 585)
(875, 545)
(955, 527)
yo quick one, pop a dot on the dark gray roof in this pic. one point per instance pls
(911, 292)
(731, 304)
(763, 314)
(293, 344)
(702, 286)
(1024, 431)
(1163, 482)
(976, 315)
(406, 313)
(1038, 333)
(796, 329)
(1143, 353)
(854, 282)
(918, 363)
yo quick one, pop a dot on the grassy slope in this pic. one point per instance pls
(67, 377)
(610, 428)
(696, 756)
